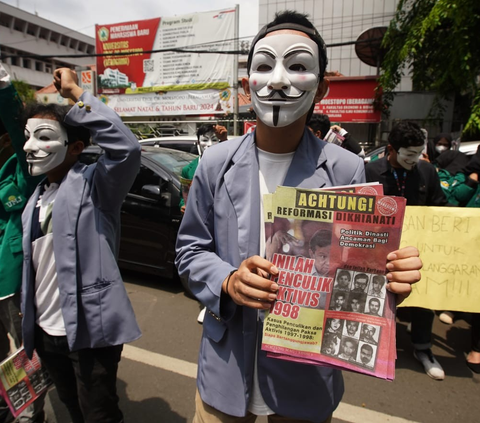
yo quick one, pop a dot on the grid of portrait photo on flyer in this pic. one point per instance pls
(332, 307)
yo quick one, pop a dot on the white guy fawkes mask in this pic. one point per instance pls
(409, 157)
(46, 145)
(283, 78)
(207, 140)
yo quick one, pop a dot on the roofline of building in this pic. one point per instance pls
(45, 23)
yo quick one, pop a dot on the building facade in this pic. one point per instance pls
(340, 21)
(343, 21)
(23, 33)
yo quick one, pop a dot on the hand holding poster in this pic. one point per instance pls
(448, 239)
(332, 307)
(22, 380)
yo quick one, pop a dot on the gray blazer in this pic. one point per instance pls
(220, 229)
(86, 231)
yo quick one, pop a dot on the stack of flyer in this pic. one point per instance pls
(332, 307)
(22, 380)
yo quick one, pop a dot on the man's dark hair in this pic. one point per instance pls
(379, 279)
(361, 276)
(58, 113)
(406, 134)
(367, 347)
(356, 296)
(352, 341)
(289, 19)
(344, 273)
(320, 123)
(445, 135)
(366, 326)
(204, 129)
(321, 238)
(372, 300)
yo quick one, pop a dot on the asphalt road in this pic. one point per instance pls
(156, 380)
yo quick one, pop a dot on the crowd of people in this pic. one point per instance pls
(59, 235)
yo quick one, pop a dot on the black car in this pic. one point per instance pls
(180, 142)
(150, 212)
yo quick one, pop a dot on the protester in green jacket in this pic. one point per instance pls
(472, 173)
(16, 186)
(207, 135)
(456, 185)
(460, 182)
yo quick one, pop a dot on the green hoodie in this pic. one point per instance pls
(16, 187)
(459, 189)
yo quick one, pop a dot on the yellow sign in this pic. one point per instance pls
(448, 239)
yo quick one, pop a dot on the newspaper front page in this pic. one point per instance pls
(22, 380)
(332, 306)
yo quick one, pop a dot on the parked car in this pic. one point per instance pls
(181, 142)
(150, 215)
(375, 154)
(469, 147)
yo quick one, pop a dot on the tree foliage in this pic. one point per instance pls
(24, 90)
(438, 41)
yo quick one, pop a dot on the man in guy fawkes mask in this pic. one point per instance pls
(402, 173)
(70, 242)
(207, 135)
(221, 242)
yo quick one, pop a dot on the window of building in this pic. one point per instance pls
(43, 34)
(31, 29)
(19, 25)
(5, 20)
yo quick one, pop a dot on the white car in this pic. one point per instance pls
(467, 147)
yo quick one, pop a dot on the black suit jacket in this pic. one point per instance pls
(422, 184)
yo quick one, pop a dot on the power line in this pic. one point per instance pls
(345, 24)
(172, 50)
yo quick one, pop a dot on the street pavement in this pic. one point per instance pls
(156, 380)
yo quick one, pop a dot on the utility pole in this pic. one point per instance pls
(235, 71)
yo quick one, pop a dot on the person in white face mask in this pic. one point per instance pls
(402, 173)
(441, 143)
(222, 239)
(207, 136)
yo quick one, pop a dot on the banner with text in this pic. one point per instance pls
(172, 103)
(448, 239)
(350, 100)
(138, 72)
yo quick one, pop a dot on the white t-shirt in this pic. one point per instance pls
(272, 171)
(47, 296)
